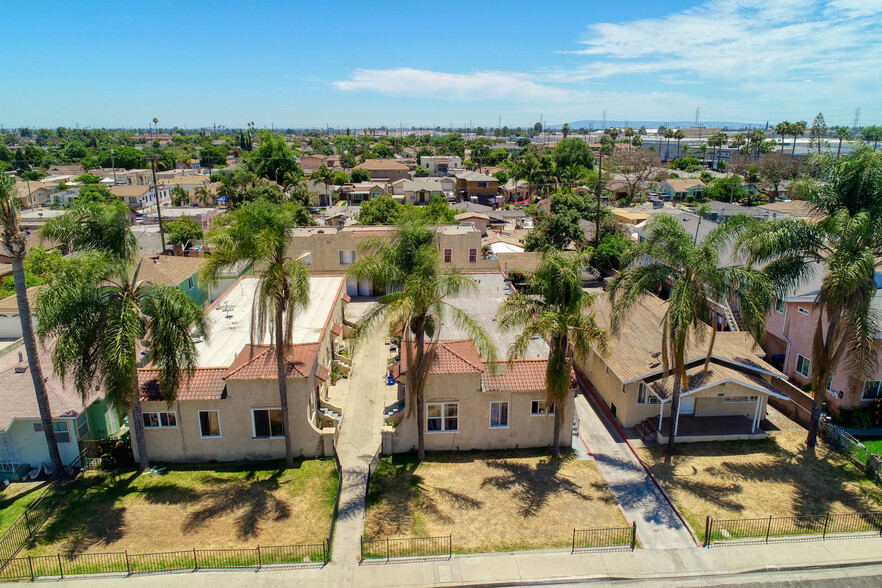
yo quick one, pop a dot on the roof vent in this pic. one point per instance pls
(20, 369)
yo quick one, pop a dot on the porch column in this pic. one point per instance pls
(661, 411)
(677, 418)
(756, 413)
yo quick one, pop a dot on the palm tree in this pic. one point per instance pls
(15, 241)
(565, 130)
(179, 196)
(155, 123)
(94, 226)
(796, 129)
(671, 256)
(555, 308)
(613, 133)
(841, 133)
(100, 315)
(783, 129)
(204, 195)
(324, 175)
(845, 244)
(669, 134)
(258, 233)
(410, 264)
(679, 135)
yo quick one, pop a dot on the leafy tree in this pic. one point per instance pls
(872, 133)
(15, 241)
(360, 175)
(383, 210)
(608, 255)
(775, 168)
(273, 159)
(573, 151)
(689, 164)
(421, 172)
(87, 178)
(99, 193)
(183, 230)
(523, 141)
(556, 231)
(259, 233)
(437, 212)
(502, 176)
(556, 310)
(694, 273)
(123, 157)
(411, 262)
(635, 168)
(818, 131)
(32, 175)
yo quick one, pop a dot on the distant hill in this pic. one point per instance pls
(654, 124)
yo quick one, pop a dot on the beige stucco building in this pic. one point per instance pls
(230, 408)
(726, 401)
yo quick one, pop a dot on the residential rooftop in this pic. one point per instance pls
(230, 319)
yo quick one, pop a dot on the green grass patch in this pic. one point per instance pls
(15, 499)
(873, 444)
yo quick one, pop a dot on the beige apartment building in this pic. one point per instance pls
(329, 250)
(229, 409)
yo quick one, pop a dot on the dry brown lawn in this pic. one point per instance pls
(489, 501)
(753, 479)
(216, 506)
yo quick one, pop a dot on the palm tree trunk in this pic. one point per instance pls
(138, 427)
(283, 383)
(793, 151)
(820, 376)
(558, 425)
(839, 149)
(675, 408)
(417, 370)
(30, 345)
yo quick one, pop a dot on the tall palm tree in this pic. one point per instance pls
(783, 129)
(841, 133)
(679, 135)
(15, 241)
(796, 129)
(555, 308)
(324, 175)
(410, 264)
(846, 245)
(258, 233)
(671, 256)
(204, 195)
(179, 196)
(100, 314)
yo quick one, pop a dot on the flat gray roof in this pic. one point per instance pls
(230, 319)
(482, 305)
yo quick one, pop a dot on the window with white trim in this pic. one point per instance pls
(803, 365)
(267, 422)
(541, 407)
(779, 306)
(644, 396)
(38, 427)
(62, 431)
(190, 283)
(740, 399)
(82, 425)
(803, 310)
(160, 419)
(499, 415)
(307, 257)
(209, 423)
(872, 390)
(442, 416)
(448, 255)
(473, 256)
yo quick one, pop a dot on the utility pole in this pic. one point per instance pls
(597, 196)
(158, 207)
(113, 166)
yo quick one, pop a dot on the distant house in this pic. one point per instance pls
(726, 401)
(179, 272)
(32, 194)
(361, 191)
(723, 211)
(422, 190)
(476, 187)
(793, 209)
(65, 170)
(516, 191)
(476, 219)
(679, 189)
(386, 170)
(441, 164)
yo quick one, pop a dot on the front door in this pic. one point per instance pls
(687, 405)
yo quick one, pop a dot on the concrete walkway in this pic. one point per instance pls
(658, 526)
(358, 442)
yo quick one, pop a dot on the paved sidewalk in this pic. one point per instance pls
(694, 566)
(358, 442)
(658, 526)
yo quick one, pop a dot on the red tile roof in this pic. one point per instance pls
(451, 357)
(337, 328)
(347, 298)
(258, 362)
(205, 384)
(322, 373)
(521, 375)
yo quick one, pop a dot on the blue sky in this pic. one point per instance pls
(439, 63)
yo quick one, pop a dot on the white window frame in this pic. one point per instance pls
(159, 419)
(648, 396)
(307, 259)
(740, 398)
(199, 418)
(38, 427)
(864, 391)
(190, 283)
(541, 408)
(779, 303)
(448, 255)
(61, 431)
(803, 311)
(254, 425)
(443, 417)
(340, 256)
(805, 362)
(507, 414)
(473, 253)
(85, 417)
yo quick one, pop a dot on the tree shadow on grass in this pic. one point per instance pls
(393, 491)
(531, 487)
(431, 496)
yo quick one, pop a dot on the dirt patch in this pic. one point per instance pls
(193, 507)
(493, 501)
(750, 479)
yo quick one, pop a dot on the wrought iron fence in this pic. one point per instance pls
(852, 449)
(60, 566)
(406, 547)
(770, 529)
(623, 538)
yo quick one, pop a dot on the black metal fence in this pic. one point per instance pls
(60, 566)
(617, 538)
(412, 547)
(770, 529)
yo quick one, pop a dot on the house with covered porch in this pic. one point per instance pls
(723, 402)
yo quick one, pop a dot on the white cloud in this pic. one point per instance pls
(482, 85)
